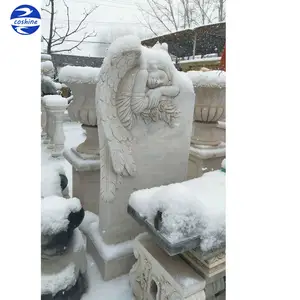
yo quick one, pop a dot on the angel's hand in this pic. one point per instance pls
(154, 96)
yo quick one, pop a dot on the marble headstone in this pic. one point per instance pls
(145, 113)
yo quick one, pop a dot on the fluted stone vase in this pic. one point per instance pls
(82, 81)
(209, 110)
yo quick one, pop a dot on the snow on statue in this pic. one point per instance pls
(135, 83)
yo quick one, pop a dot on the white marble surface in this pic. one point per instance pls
(145, 112)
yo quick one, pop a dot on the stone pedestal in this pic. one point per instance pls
(213, 270)
(90, 146)
(204, 159)
(86, 176)
(47, 120)
(111, 260)
(55, 107)
(207, 134)
(43, 120)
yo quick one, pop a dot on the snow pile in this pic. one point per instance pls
(115, 289)
(55, 212)
(90, 227)
(72, 74)
(191, 208)
(53, 283)
(55, 100)
(45, 56)
(126, 43)
(208, 79)
(51, 180)
(47, 67)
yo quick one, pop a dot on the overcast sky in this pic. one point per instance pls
(110, 18)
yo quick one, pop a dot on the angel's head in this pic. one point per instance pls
(156, 76)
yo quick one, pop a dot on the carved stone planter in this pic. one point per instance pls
(210, 89)
(209, 109)
(208, 147)
(82, 82)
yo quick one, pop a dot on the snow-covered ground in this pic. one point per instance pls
(119, 288)
(116, 289)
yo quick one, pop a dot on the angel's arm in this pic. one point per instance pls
(169, 91)
(155, 95)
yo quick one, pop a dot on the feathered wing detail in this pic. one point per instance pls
(115, 140)
(124, 98)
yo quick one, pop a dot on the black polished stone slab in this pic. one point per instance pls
(171, 248)
(184, 245)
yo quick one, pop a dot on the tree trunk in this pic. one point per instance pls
(221, 10)
(51, 27)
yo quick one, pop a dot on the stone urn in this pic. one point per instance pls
(82, 81)
(210, 90)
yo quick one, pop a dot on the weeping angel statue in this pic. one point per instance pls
(135, 83)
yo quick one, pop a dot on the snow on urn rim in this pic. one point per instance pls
(74, 74)
(213, 78)
(55, 211)
(55, 100)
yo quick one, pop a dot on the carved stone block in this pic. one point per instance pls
(158, 276)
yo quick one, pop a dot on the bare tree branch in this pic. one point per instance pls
(78, 28)
(86, 35)
(46, 10)
(147, 25)
(44, 39)
(174, 15)
(57, 36)
(153, 12)
(205, 7)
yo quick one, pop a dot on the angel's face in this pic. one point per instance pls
(156, 78)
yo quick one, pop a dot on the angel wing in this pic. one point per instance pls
(116, 158)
